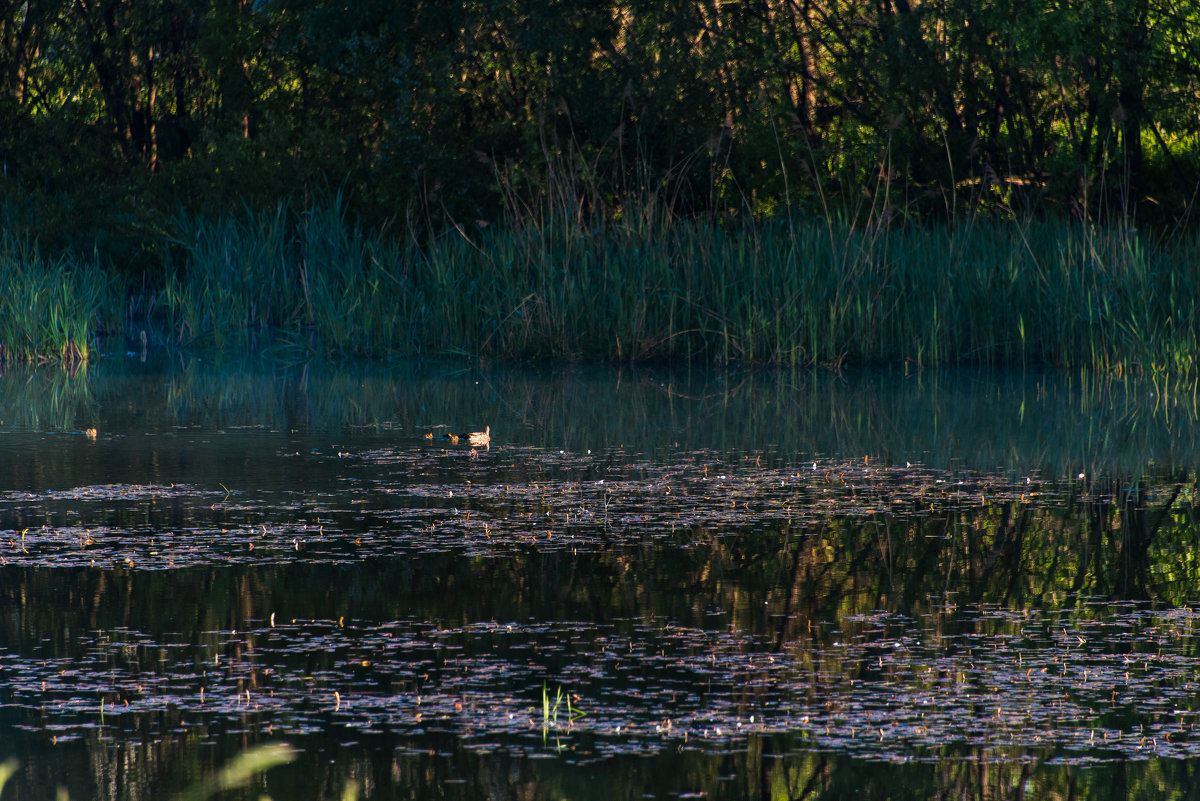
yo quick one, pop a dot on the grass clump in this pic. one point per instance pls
(51, 310)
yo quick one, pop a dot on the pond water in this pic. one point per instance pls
(652, 584)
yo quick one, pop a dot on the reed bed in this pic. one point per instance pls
(314, 278)
(800, 291)
(809, 292)
(51, 310)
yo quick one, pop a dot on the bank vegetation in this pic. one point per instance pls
(809, 182)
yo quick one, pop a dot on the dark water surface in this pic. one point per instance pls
(652, 584)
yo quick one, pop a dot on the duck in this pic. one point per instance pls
(479, 439)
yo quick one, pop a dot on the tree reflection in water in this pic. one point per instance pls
(223, 566)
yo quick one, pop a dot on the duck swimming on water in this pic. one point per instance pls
(479, 439)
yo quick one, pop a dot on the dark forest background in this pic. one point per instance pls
(117, 114)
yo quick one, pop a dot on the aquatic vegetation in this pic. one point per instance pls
(1110, 683)
(51, 309)
(236, 773)
(861, 667)
(495, 505)
(313, 276)
(550, 711)
(722, 602)
(796, 292)
(242, 768)
(7, 769)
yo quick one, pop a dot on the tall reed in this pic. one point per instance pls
(313, 276)
(814, 292)
(796, 291)
(51, 309)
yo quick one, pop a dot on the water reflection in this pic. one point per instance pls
(749, 585)
(1061, 424)
(759, 770)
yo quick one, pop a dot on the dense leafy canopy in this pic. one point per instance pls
(117, 111)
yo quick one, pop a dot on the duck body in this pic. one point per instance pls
(479, 439)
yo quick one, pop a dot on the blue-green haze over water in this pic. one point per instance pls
(652, 584)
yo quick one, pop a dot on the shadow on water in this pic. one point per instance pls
(651, 584)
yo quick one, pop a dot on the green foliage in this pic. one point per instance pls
(798, 291)
(860, 287)
(722, 108)
(535, 178)
(242, 769)
(51, 309)
(308, 276)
